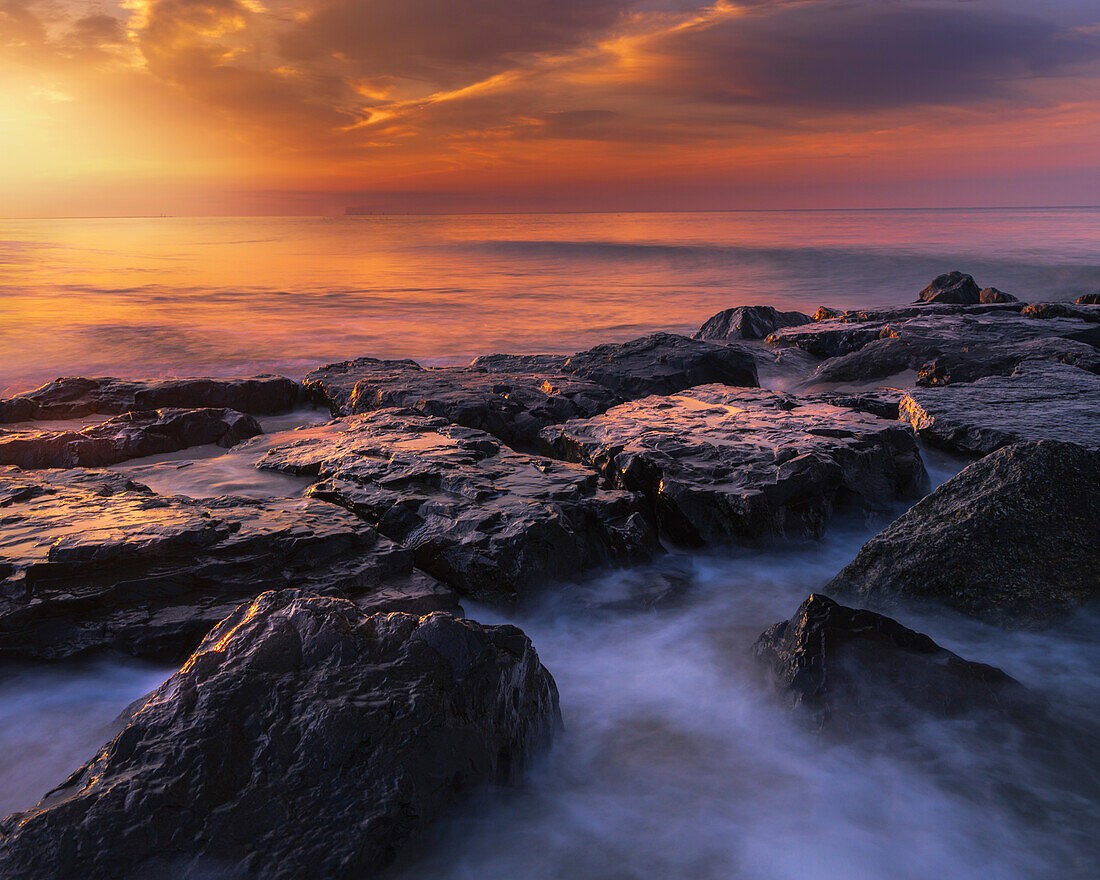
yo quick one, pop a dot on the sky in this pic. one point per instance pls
(135, 107)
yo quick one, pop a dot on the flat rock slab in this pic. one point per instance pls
(851, 670)
(1013, 539)
(1039, 401)
(91, 560)
(133, 435)
(75, 397)
(302, 739)
(719, 462)
(514, 396)
(511, 405)
(491, 522)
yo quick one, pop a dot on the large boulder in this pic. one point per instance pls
(718, 462)
(748, 322)
(510, 400)
(854, 670)
(1013, 539)
(969, 363)
(301, 739)
(70, 398)
(1039, 401)
(1088, 299)
(1048, 310)
(133, 435)
(90, 560)
(489, 521)
(993, 295)
(952, 287)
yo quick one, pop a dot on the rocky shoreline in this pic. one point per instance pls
(328, 667)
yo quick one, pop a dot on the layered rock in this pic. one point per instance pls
(302, 739)
(1046, 311)
(952, 287)
(966, 364)
(133, 435)
(748, 322)
(993, 295)
(852, 670)
(1038, 401)
(1013, 539)
(77, 397)
(491, 522)
(717, 462)
(1088, 299)
(91, 560)
(514, 396)
(512, 404)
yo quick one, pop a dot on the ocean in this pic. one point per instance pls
(231, 296)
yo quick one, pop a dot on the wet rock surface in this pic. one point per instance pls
(966, 364)
(1088, 299)
(1045, 311)
(1013, 539)
(75, 397)
(748, 322)
(512, 404)
(91, 560)
(489, 521)
(717, 462)
(952, 287)
(133, 435)
(514, 396)
(302, 739)
(1038, 401)
(852, 670)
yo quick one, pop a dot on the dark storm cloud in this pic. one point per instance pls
(871, 55)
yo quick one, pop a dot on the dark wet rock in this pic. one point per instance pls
(302, 739)
(850, 670)
(952, 287)
(76, 397)
(748, 322)
(882, 402)
(491, 522)
(663, 363)
(514, 396)
(512, 406)
(828, 338)
(1088, 299)
(975, 362)
(1038, 401)
(824, 313)
(717, 462)
(90, 560)
(875, 360)
(993, 295)
(133, 435)
(1046, 311)
(1013, 539)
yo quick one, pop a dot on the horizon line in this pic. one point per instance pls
(354, 212)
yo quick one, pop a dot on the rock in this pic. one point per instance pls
(823, 313)
(663, 363)
(828, 338)
(133, 435)
(853, 670)
(1046, 311)
(512, 406)
(875, 360)
(1013, 539)
(540, 390)
(952, 287)
(1088, 299)
(969, 363)
(302, 739)
(1038, 401)
(993, 295)
(491, 522)
(90, 560)
(76, 397)
(882, 402)
(718, 462)
(748, 322)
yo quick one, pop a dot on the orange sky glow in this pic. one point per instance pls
(279, 107)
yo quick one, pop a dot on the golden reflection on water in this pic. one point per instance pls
(230, 296)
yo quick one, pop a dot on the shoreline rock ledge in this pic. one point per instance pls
(302, 739)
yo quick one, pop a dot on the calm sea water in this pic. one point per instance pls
(228, 296)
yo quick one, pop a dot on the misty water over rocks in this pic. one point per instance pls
(677, 760)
